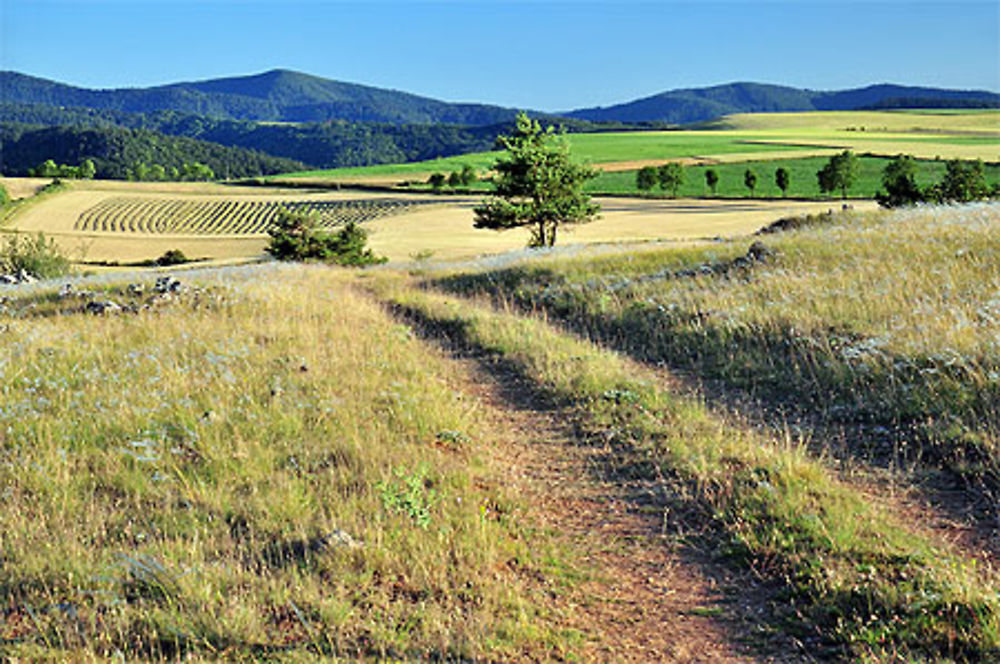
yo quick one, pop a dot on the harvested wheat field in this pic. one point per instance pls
(107, 222)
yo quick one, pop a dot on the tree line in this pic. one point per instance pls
(962, 181)
(122, 154)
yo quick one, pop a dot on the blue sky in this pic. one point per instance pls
(541, 55)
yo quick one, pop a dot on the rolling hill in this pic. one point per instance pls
(274, 96)
(286, 96)
(701, 104)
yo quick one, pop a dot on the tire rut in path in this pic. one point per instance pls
(646, 597)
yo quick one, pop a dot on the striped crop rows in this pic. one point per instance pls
(226, 217)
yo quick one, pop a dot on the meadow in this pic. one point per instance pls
(313, 463)
(740, 138)
(290, 474)
(802, 178)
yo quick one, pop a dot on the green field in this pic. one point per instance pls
(802, 180)
(738, 138)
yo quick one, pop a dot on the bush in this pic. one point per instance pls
(4, 196)
(172, 257)
(36, 256)
(297, 237)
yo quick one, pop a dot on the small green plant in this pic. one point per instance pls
(37, 256)
(409, 494)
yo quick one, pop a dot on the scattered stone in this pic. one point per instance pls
(9, 279)
(136, 289)
(760, 252)
(168, 284)
(65, 291)
(340, 538)
(26, 277)
(102, 307)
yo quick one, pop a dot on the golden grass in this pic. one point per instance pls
(271, 467)
(926, 121)
(23, 187)
(864, 576)
(448, 233)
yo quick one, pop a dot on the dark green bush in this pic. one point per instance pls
(172, 257)
(297, 237)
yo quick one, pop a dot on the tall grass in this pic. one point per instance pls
(885, 320)
(854, 573)
(263, 469)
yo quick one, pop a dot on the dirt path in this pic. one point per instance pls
(651, 595)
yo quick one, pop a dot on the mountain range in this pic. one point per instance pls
(288, 96)
(283, 120)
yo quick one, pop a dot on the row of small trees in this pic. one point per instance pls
(963, 181)
(670, 177)
(188, 172)
(456, 179)
(86, 170)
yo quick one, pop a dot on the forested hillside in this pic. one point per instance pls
(121, 153)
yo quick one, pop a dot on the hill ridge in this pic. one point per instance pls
(287, 95)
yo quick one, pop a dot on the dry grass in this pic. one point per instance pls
(267, 468)
(23, 187)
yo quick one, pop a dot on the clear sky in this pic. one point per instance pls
(540, 55)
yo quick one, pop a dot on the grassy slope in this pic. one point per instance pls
(855, 573)
(888, 321)
(287, 474)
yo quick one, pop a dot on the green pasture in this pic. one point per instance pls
(802, 172)
(926, 134)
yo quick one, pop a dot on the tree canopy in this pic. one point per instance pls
(839, 173)
(537, 185)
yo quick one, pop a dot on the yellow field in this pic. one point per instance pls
(443, 230)
(942, 121)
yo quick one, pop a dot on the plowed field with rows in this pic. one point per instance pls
(229, 217)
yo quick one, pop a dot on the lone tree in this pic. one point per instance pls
(900, 181)
(782, 179)
(537, 185)
(646, 178)
(750, 181)
(712, 179)
(671, 177)
(839, 173)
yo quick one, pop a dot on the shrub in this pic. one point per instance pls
(36, 256)
(4, 196)
(172, 257)
(436, 180)
(297, 237)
